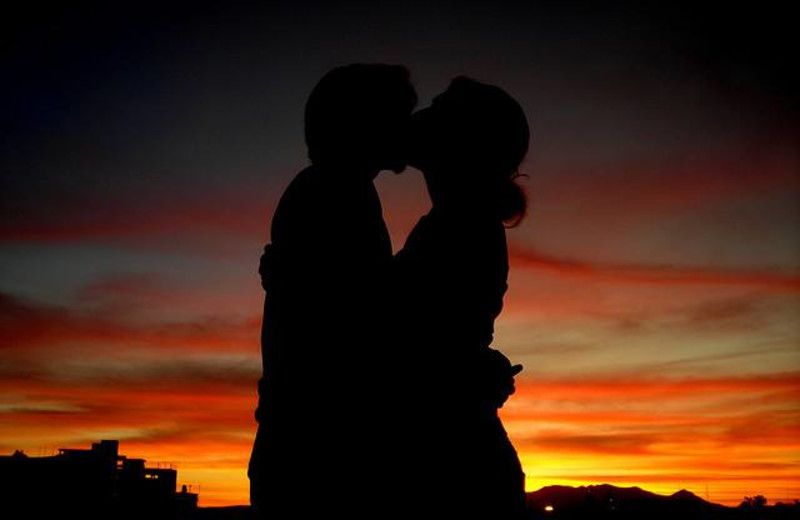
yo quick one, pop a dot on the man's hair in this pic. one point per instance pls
(348, 104)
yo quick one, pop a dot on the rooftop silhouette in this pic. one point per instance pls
(93, 483)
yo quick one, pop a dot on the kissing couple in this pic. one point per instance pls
(380, 391)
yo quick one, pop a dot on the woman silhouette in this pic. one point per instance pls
(451, 277)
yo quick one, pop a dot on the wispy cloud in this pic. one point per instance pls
(26, 324)
(653, 274)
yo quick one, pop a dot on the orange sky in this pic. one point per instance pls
(653, 374)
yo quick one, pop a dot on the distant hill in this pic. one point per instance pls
(224, 513)
(605, 501)
(598, 502)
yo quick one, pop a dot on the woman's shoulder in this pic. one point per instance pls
(479, 229)
(471, 240)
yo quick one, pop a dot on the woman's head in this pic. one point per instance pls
(470, 143)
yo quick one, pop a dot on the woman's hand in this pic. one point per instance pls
(496, 377)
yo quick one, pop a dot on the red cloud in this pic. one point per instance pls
(649, 386)
(652, 274)
(640, 189)
(80, 218)
(25, 324)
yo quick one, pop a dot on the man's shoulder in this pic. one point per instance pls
(313, 198)
(302, 191)
(304, 182)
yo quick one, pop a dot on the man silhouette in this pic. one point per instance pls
(325, 279)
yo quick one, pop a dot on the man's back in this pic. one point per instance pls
(322, 335)
(324, 277)
(331, 251)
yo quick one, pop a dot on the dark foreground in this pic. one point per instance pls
(600, 503)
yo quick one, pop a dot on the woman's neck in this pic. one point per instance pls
(454, 200)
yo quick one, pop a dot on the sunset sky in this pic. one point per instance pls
(654, 291)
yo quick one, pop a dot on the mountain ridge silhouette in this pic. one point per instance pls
(606, 501)
(600, 501)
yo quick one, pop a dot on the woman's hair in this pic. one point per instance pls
(512, 201)
(491, 131)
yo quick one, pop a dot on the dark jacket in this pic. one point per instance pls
(451, 277)
(324, 274)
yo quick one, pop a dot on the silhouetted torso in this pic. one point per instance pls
(451, 278)
(325, 282)
(331, 252)
(459, 262)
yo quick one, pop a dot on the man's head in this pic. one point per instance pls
(358, 116)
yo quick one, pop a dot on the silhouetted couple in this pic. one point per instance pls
(380, 391)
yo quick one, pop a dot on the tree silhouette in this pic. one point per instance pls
(754, 502)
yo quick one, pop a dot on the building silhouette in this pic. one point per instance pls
(94, 483)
